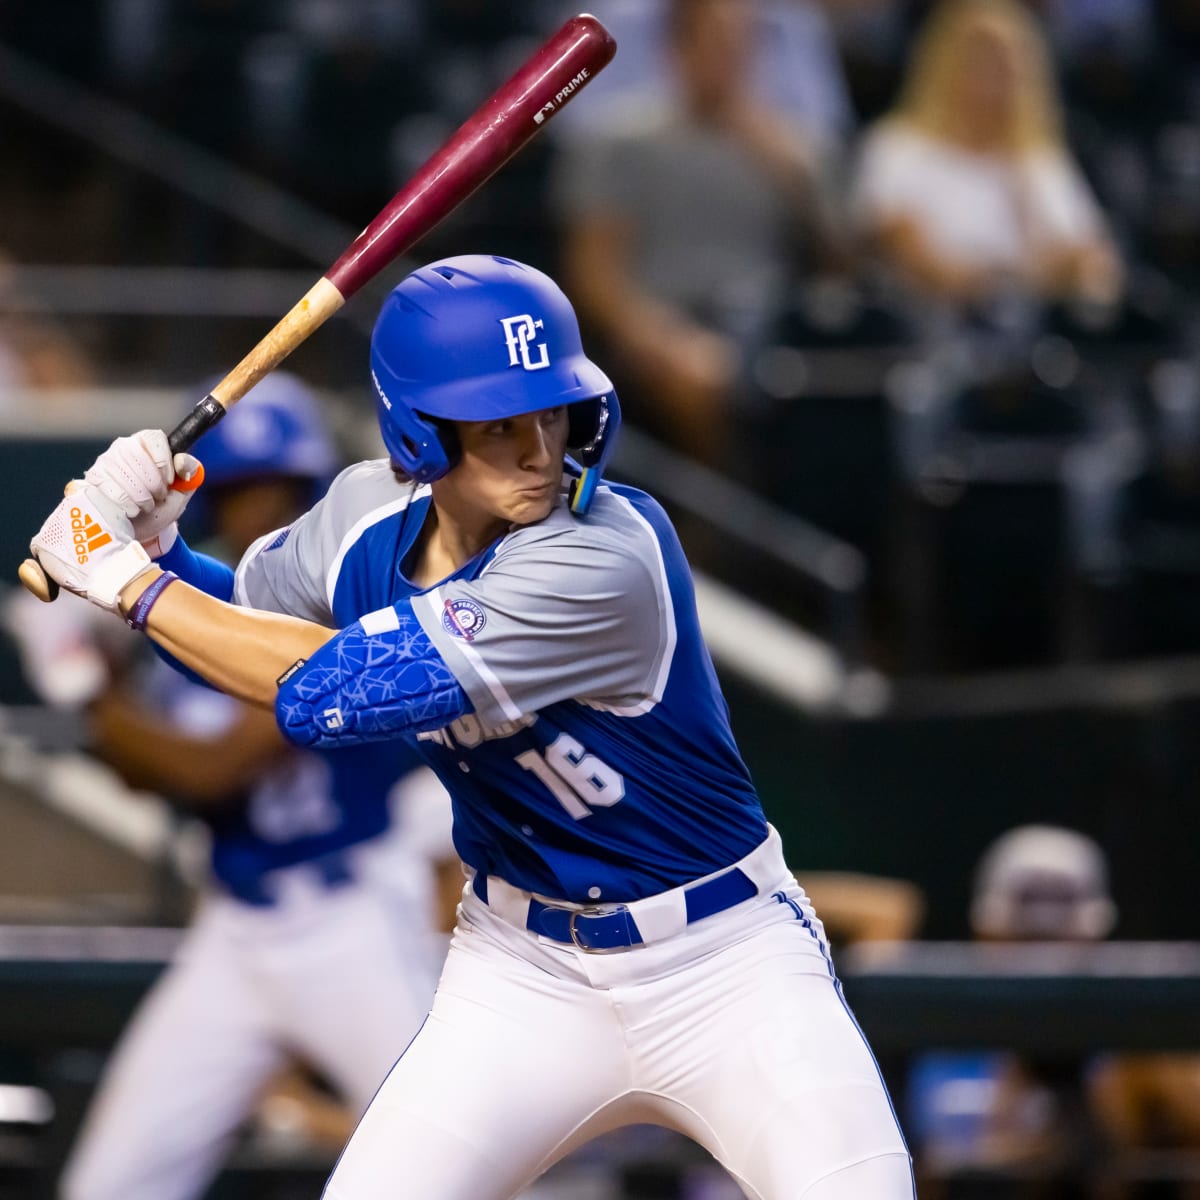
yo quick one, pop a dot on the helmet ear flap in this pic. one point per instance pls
(588, 427)
(420, 446)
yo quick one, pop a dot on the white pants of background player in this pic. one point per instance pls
(733, 1032)
(340, 977)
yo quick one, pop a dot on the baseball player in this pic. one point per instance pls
(630, 946)
(317, 940)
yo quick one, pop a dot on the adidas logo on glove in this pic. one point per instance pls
(87, 546)
(87, 535)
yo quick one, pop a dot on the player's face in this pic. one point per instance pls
(510, 469)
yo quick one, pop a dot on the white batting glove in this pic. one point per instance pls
(136, 473)
(158, 529)
(87, 546)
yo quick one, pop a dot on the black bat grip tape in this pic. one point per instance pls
(199, 421)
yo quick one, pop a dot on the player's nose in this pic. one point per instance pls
(536, 451)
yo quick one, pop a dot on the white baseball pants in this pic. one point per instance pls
(733, 1032)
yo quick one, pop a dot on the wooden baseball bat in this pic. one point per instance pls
(488, 138)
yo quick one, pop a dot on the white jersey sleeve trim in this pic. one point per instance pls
(382, 620)
(359, 528)
(435, 603)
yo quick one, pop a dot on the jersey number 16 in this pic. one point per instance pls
(579, 780)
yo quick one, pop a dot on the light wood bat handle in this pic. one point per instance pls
(37, 581)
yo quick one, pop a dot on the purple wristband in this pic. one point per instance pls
(145, 602)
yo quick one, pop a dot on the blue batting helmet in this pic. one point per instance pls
(479, 337)
(276, 431)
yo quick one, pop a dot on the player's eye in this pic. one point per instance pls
(550, 416)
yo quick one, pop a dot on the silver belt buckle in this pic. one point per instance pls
(596, 911)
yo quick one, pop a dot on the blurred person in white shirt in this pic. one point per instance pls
(966, 189)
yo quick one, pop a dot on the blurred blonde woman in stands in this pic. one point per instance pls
(966, 189)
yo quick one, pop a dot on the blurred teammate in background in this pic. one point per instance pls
(319, 937)
(967, 190)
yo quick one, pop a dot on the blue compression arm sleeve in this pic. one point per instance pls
(208, 575)
(369, 686)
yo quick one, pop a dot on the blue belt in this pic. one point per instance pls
(614, 928)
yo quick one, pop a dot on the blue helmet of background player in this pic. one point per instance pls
(275, 431)
(477, 338)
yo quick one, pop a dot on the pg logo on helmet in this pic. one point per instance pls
(520, 333)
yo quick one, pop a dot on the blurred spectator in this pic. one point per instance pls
(1151, 1102)
(1042, 882)
(319, 936)
(682, 224)
(796, 70)
(966, 190)
(991, 1109)
(36, 351)
(1051, 1122)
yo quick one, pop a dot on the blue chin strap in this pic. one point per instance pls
(583, 488)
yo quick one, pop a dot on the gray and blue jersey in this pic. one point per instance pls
(558, 684)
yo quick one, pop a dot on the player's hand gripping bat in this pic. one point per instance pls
(497, 129)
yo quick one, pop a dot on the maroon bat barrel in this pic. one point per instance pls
(480, 147)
